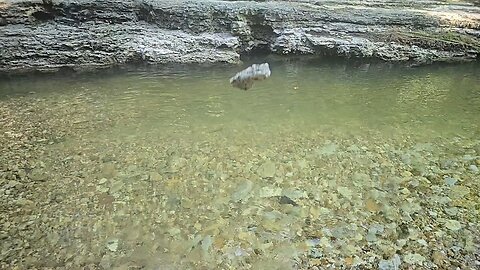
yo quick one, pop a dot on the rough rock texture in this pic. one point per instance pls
(89, 34)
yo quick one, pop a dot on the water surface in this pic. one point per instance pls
(326, 163)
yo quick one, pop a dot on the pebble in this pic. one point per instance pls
(267, 169)
(449, 181)
(267, 192)
(38, 176)
(473, 168)
(243, 191)
(112, 245)
(287, 200)
(414, 258)
(392, 264)
(102, 181)
(453, 225)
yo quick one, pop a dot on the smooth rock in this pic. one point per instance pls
(413, 258)
(449, 181)
(242, 191)
(112, 245)
(453, 225)
(267, 192)
(245, 78)
(392, 264)
(267, 169)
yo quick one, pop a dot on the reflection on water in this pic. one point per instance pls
(326, 164)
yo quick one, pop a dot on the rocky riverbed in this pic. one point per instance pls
(91, 34)
(77, 193)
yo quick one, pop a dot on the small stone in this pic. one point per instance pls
(392, 264)
(422, 242)
(155, 176)
(112, 245)
(38, 176)
(116, 186)
(327, 149)
(243, 191)
(371, 237)
(453, 225)
(106, 262)
(287, 200)
(473, 168)
(371, 205)
(102, 189)
(102, 181)
(438, 258)
(267, 192)
(459, 192)
(108, 170)
(452, 211)
(267, 169)
(345, 192)
(449, 181)
(53, 238)
(414, 258)
(13, 183)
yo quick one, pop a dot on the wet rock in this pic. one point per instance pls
(155, 176)
(287, 200)
(108, 170)
(453, 225)
(267, 192)
(373, 231)
(392, 264)
(102, 181)
(267, 169)
(219, 31)
(38, 175)
(452, 211)
(245, 78)
(345, 192)
(413, 258)
(449, 181)
(102, 189)
(112, 245)
(459, 192)
(243, 191)
(327, 149)
(473, 168)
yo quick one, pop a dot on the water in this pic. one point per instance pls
(327, 163)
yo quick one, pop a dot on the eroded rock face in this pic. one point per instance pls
(89, 34)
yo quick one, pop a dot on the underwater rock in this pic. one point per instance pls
(245, 78)
(287, 200)
(112, 245)
(453, 225)
(243, 191)
(414, 258)
(267, 169)
(267, 192)
(392, 264)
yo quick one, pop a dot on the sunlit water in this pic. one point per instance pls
(325, 164)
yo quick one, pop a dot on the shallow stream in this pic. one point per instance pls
(325, 165)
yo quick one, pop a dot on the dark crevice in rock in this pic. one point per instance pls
(42, 15)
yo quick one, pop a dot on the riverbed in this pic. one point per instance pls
(328, 164)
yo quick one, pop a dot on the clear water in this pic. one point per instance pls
(326, 163)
